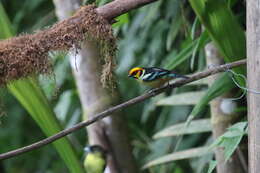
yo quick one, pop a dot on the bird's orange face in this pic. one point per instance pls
(136, 72)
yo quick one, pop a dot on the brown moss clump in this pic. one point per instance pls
(28, 54)
(20, 57)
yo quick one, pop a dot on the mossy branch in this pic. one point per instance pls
(26, 55)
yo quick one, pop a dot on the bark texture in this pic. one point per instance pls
(222, 115)
(118, 7)
(110, 133)
(253, 73)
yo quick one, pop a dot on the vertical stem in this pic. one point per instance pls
(222, 116)
(111, 132)
(93, 99)
(253, 73)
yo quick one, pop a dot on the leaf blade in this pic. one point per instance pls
(30, 95)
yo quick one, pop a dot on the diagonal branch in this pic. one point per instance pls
(119, 107)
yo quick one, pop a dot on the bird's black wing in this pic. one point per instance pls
(153, 73)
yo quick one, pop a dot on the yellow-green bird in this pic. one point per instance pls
(95, 160)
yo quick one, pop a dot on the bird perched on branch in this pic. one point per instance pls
(153, 76)
(95, 160)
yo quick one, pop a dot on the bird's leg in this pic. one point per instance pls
(150, 90)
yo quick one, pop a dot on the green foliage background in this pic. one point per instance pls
(168, 34)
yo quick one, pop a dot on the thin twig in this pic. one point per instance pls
(119, 107)
(242, 159)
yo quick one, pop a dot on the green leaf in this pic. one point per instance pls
(196, 126)
(63, 105)
(185, 154)
(223, 29)
(231, 139)
(173, 32)
(121, 20)
(240, 127)
(5, 29)
(186, 52)
(187, 98)
(194, 27)
(220, 86)
(31, 96)
(194, 52)
(212, 166)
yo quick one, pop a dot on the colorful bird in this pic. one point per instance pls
(153, 76)
(95, 160)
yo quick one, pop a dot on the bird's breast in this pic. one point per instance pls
(155, 83)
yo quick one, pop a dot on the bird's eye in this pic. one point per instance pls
(133, 75)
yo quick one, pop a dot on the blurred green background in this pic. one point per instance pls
(167, 34)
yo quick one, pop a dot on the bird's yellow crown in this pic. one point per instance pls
(135, 72)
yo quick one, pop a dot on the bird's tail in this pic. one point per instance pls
(178, 75)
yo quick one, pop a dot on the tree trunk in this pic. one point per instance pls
(222, 116)
(253, 73)
(111, 132)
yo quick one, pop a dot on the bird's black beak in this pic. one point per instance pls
(131, 76)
